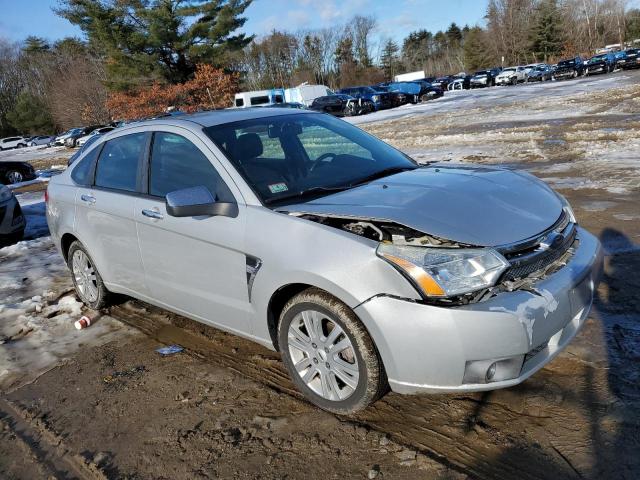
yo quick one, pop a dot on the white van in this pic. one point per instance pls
(259, 98)
(306, 94)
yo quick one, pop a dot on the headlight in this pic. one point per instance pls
(567, 208)
(5, 193)
(444, 272)
(375, 98)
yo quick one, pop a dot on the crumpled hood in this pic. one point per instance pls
(481, 206)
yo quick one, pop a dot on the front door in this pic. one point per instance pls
(193, 265)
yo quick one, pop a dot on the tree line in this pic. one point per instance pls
(139, 57)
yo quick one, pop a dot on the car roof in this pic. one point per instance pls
(217, 117)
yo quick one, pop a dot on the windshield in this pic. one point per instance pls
(507, 70)
(566, 63)
(289, 157)
(481, 74)
(597, 58)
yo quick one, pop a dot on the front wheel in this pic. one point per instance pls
(86, 279)
(329, 354)
(14, 176)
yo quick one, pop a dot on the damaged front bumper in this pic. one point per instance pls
(492, 344)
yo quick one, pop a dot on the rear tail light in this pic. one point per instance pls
(46, 195)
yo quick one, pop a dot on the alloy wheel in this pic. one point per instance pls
(14, 177)
(85, 276)
(323, 355)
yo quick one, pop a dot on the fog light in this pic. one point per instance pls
(491, 372)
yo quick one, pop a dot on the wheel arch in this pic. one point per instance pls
(65, 243)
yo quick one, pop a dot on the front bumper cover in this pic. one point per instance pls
(427, 348)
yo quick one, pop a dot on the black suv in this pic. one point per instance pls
(630, 60)
(603, 63)
(569, 68)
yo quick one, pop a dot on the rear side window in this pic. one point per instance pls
(239, 102)
(176, 163)
(82, 173)
(260, 100)
(118, 162)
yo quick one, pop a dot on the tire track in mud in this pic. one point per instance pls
(538, 430)
(45, 451)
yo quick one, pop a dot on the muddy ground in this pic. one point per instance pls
(225, 408)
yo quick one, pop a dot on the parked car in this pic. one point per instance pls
(442, 82)
(71, 140)
(541, 73)
(16, 172)
(511, 76)
(397, 98)
(307, 235)
(341, 104)
(12, 222)
(428, 91)
(12, 142)
(380, 100)
(82, 149)
(630, 60)
(460, 83)
(603, 63)
(569, 68)
(410, 90)
(60, 139)
(40, 140)
(484, 78)
(98, 131)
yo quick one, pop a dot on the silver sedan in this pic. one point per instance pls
(366, 270)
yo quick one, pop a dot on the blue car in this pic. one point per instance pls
(603, 63)
(379, 98)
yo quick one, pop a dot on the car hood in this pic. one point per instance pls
(480, 206)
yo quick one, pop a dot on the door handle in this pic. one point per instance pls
(88, 198)
(152, 214)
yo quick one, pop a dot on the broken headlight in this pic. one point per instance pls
(445, 272)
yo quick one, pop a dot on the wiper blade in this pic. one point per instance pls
(381, 174)
(307, 192)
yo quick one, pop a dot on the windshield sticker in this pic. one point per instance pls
(278, 188)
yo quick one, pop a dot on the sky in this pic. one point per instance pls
(396, 18)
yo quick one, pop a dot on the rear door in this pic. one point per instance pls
(105, 213)
(194, 265)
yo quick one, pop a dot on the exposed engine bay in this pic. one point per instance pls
(516, 278)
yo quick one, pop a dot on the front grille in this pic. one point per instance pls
(547, 249)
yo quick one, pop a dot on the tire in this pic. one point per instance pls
(14, 176)
(329, 380)
(84, 275)
(21, 145)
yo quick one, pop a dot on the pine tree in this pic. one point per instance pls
(150, 40)
(475, 50)
(33, 44)
(547, 35)
(389, 58)
(30, 115)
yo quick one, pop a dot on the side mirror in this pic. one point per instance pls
(197, 201)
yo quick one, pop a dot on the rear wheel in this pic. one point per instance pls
(329, 354)
(86, 279)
